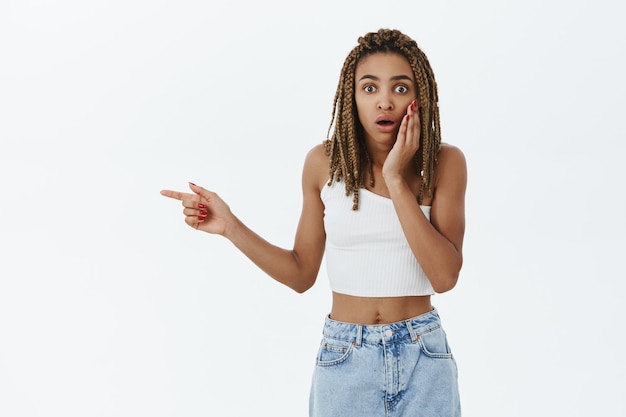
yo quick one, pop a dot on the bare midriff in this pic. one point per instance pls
(379, 310)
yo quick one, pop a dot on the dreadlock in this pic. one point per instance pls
(346, 147)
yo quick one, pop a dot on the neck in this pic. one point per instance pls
(373, 167)
(376, 156)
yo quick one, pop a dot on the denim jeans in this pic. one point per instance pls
(393, 370)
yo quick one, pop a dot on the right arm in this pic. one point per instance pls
(296, 268)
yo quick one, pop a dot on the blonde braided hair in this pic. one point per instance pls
(346, 147)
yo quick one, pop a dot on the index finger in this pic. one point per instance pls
(175, 194)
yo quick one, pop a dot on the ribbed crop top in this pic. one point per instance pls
(367, 254)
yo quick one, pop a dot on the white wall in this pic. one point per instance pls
(111, 306)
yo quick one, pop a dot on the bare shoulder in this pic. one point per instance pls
(448, 204)
(316, 167)
(450, 154)
(451, 164)
(317, 154)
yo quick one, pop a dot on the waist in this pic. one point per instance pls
(410, 328)
(377, 310)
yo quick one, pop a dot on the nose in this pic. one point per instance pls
(385, 103)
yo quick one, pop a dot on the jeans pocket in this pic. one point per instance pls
(435, 344)
(333, 352)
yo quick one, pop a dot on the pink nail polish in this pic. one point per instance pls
(201, 206)
(203, 213)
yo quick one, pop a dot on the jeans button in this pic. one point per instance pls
(388, 333)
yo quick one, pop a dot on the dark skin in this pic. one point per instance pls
(384, 86)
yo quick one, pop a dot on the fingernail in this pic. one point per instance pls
(192, 184)
(203, 213)
(201, 205)
(414, 104)
(407, 117)
(200, 218)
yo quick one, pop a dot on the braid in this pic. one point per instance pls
(346, 148)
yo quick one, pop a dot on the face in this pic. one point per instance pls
(384, 88)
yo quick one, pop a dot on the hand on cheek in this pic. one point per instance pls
(407, 143)
(413, 126)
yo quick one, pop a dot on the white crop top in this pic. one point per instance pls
(367, 254)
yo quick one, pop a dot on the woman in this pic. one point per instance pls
(383, 201)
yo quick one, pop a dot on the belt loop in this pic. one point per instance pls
(412, 332)
(359, 335)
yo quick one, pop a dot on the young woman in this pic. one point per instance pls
(383, 201)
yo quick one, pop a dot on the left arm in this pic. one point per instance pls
(437, 245)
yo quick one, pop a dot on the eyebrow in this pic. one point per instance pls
(394, 78)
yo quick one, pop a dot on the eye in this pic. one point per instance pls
(369, 88)
(401, 89)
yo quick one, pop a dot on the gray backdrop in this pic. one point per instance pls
(111, 306)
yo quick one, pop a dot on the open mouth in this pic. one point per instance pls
(385, 121)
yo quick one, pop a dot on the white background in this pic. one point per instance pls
(111, 306)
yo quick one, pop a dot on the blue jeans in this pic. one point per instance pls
(399, 369)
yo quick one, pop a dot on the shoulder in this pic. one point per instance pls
(450, 175)
(451, 153)
(450, 163)
(317, 155)
(316, 167)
